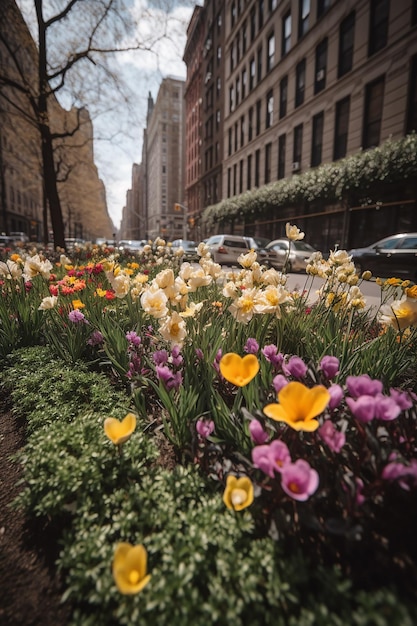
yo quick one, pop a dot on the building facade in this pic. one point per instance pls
(308, 82)
(82, 193)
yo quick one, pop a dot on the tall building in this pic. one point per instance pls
(81, 192)
(165, 163)
(308, 82)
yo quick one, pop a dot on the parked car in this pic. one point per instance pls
(291, 255)
(226, 249)
(132, 245)
(19, 237)
(189, 247)
(6, 242)
(73, 242)
(394, 256)
(264, 256)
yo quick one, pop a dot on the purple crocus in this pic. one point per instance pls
(272, 355)
(261, 458)
(299, 480)
(251, 346)
(204, 427)
(387, 408)
(176, 356)
(199, 354)
(279, 454)
(279, 382)
(363, 386)
(332, 437)
(133, 338)
(170, 379)
(406, 475)
(257, 433)
(363, 408)
(329, 365)
(77, 317)
(402, 398)
(336, 396)
(96, 338)
(160, 357)
(295, 367)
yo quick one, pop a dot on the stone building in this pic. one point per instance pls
(308, 82)
(81, 191)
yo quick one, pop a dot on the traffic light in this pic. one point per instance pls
(191, 222)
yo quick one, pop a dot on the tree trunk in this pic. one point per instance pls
(48, 165)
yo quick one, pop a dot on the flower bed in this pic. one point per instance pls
(292, 496)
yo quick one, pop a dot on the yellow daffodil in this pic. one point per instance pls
(238, 493)
(129, 568)
(119, 432)
(299, 405)
(100, 292)
(411, 292)
(238, 370)
(77, 304)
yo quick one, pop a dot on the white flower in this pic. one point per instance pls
(192, 309)
(400, 314)
(173, 329)
(154, 302)
(199, 279)
(165, 278)
(243, 308)
(339, 257)
(10, 270)
(120, 284)
(64, 260)
(203, 250)
(248, 259)
(48, 303)
(293, 232)
(34, 265)
(269, 300)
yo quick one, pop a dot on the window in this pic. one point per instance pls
(218, 86)
(300, 81)
(271, 52)
(237, 47)
(231, 98)
(244, 80)
(242, 131)
(317, 139)
(241, 176)
(233, 13)
(232, 56)
(269, 118)
(259, 64)
(251, 73)
(346, 39)
(286, 34)
(237, 90)
(412, 96)
(219, 54)
(249, 172)
(257, 161)
(250, 124)
(244, 40)
(297, 147)
(258, 117)
(234, 179)
(252, 23)
(217, 119)
(322, 6)
(303, 17)
(230, 141)
(283, 97)
(260, 13)
(378, 25)
(374, 99)
(321, 65)
(281, 156)
(229, 176)
(272, 5)
(341, 128)
(236, 136)
(268, 157)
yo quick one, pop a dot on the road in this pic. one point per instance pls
(299, 282)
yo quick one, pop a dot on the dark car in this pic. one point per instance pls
(394, 256)
(189, 247)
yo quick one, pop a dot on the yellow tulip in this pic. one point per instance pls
(238, 370)
(299, 405)
(119, 432)
(77, 304)
(238, 493)
(129, 568)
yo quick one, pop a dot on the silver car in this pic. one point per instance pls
(291, 255)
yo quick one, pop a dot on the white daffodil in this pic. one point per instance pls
(270, 299)
(248, 259)
(243, 308)
(154, 302)
(173, 329)
(293, 233)
(339, 257)
(199, 279)
(48, 303)
(400, 313)
(10, 270)
(34, 266)
(192, 309)
(120, 284)
(203, 250)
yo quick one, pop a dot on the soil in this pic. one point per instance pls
(30, 587)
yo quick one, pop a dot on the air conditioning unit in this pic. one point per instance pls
(320, 75)
(208, 78)
(208, 44)
(295, 166)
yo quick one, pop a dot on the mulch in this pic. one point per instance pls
(30, 589)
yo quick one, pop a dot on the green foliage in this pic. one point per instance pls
(391, 162)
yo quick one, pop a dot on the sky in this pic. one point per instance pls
(118, 127)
